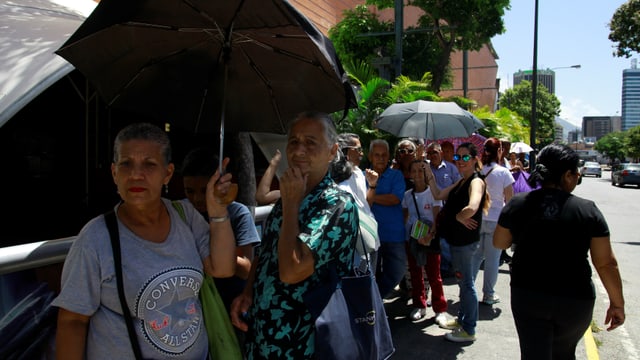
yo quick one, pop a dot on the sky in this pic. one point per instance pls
(570, 32)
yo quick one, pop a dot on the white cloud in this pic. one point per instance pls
(573, 109)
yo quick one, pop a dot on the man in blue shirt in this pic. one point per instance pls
(385, 197)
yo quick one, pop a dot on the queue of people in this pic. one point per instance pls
(465, 207)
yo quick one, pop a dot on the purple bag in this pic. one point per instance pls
(521, 184)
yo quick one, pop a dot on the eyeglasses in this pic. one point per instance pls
(405, 151)
(464, 158)
(357, 149)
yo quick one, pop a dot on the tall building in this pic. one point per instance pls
(631, 96)
(599, 126)
(545, 77)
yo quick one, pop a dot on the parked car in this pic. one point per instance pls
(591, 168)
(623, 174)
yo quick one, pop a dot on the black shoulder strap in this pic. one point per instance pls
(112, 226)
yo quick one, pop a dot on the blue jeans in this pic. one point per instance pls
(445, 255)
(464, 264)
(392, 265)
(491, 256)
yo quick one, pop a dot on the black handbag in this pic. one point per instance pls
(350, 320)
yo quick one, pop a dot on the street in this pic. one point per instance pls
(496, 333)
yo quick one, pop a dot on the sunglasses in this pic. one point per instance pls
(431, 153)
(405, 151)
(464, 158)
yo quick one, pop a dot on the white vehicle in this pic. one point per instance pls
(591, 168)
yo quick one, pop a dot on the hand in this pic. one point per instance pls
(218, 189)
(428, 172)
(420, 153)
(615, 317)
(238, 311)
(293, 186)
(371, 176)
(275, 159)
(468, 223)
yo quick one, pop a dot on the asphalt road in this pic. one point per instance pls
(496, 333)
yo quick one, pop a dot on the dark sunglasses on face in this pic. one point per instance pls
(405, 151)
(432, 153)
(464, 158)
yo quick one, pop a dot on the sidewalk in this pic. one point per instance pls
(496, 332)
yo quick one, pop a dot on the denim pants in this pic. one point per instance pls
(491, 257)
(392, 265)
(463, 260)
(445, 255)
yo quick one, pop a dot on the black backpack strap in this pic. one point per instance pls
(112, 226)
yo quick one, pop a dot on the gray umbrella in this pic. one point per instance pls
(195, 63)
(428, 120)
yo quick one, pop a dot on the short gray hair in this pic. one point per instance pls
(329, 127)
(378, 142)
(143, 131)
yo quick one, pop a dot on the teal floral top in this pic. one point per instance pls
(281, 326)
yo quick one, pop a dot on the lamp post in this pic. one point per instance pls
(534, 89)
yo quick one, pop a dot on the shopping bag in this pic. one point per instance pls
(223, 343)
(350, 319)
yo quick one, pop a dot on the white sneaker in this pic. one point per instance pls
(459, 335)
(450, 324)
(418, 313)
(441, 319)
(491, 300)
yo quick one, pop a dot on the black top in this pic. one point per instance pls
(552, 232)
(456, 233)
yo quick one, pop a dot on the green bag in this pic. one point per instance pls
(223, 343)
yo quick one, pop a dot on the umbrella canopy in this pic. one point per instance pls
(520, 147)
(476, 139)
(194, 63)
(428, 120)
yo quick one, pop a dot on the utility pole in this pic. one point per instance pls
(399, 24)
(534, 90)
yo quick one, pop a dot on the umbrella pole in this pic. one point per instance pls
(222, 114)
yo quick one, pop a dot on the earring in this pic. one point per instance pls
(166, 188)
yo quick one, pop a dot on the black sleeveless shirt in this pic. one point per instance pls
(458, 234)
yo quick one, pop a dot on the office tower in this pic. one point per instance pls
(599, 126)
(631, 96)
(545, 77)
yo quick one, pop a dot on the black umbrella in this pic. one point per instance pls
(194, 63)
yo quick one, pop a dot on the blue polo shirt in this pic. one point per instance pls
(390, 218)
(446, 174)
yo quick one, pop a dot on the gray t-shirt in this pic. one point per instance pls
(161, 282)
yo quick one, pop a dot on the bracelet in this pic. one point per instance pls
(371, 187)
(214, 219)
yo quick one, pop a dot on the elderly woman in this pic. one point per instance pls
(163, 257)
(552, 226)
(461, 219)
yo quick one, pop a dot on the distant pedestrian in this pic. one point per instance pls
(553, 305)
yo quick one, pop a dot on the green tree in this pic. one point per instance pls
(518, 99)
(632, 142)
(503, 124)
(612, 145)
(455, 25)
(349, 39)
(625, 29)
